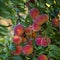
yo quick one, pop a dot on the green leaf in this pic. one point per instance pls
(51, 2)
(39, 48)
(58, 43)
(54, 48)
(17, 58)
(12, 47)
(52, 55)
(54, 51)
(41, 3)
(2, 55)
(58, 2)
(34, 58)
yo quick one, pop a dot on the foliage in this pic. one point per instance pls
(12, 9)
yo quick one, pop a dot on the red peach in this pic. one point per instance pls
(27, 49)
(36, 27)
(18, 29)
(55, 22)
(42, 57)
(39, 41)
(41, 19)
(30, 42)
(28, 31)
(46, 17)
(17, 40)
(18, 50)
(45, 42)
(34, 12)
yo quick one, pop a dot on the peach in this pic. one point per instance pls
(34, 12)
(39, 41)
(43, 57)
(18, 29)
(45, 42)
(42, 41)
(17, 40)
(18, 50)
(28, 31)
(41, 19)
(30, 42)
(55, 22)
(28, 49)
(46, 17)
(36, 27)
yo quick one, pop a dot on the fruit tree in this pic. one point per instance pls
(33, 30)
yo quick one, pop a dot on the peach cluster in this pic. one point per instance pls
(25, 37)
(19, 38)
(38, 19)
(42, 41)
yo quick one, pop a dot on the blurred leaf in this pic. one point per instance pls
(51, 2)
(2, 55)
(12, 47)
(17, 58)
(58, 2)
(54, 51)
(41, 3)
(34, 58)
(54, 48)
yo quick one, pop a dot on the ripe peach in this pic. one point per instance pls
(42, 57)
(36, 27)
(55, 22)
(46, 17)
(34, 12)
(45, 42)
(39, 41)
(30, 42)
(18, 50)
(28, 31)
(18, 29)
(41, 19)
(17, 40)
(27, 49)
